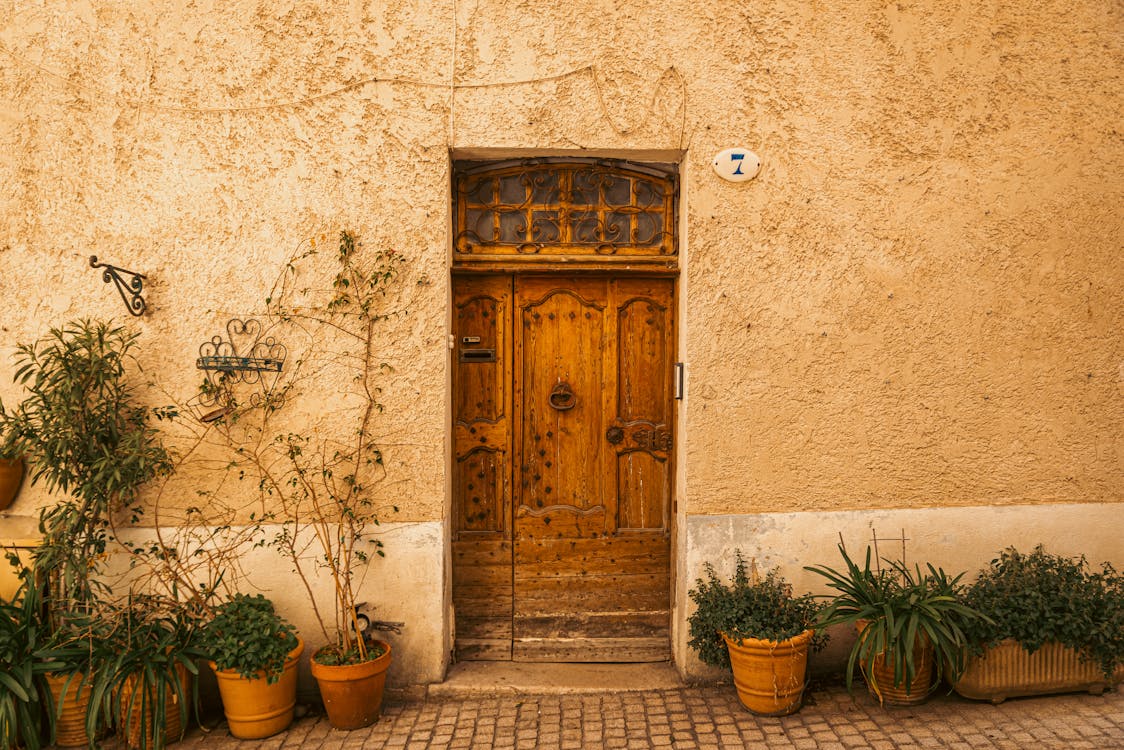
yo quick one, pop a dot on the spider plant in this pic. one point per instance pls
(896, 609)
(23, 690)
(149, 651)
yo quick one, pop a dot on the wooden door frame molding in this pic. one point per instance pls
(572, 260)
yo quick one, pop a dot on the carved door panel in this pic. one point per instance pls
(562, 479)
(482, 467)
(592, 482)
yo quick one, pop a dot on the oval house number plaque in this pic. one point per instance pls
(737, 164)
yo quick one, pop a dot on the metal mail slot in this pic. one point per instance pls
(478, 355)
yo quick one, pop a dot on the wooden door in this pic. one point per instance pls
(562, 546)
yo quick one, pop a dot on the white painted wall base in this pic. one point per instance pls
(963, 538)
(408, 585)
(405, 586)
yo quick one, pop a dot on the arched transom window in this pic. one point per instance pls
(545, 208)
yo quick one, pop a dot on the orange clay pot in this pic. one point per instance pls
(138, 717)
(880, 675)
(352, 693)
(70, 726)
(769, 675)
(254, 708)
(11, 476)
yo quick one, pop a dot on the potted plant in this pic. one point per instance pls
(910, 625)
(92, 445)
(322, 488)
(24, 722)
(87, 439)
(147, 656)
(71, 655)
(1054, 625)
(254, 653)
(760, 631)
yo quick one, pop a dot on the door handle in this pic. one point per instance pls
(562, 397)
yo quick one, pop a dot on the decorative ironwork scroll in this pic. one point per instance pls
(581, 207)
(244, 356)
(653, 440)
(129, 290)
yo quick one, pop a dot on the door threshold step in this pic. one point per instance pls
(473, 679)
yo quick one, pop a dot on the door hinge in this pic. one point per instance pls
(680, 380)
(452, 341)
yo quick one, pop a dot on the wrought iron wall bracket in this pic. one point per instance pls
(130, 290)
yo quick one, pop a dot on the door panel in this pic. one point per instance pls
(587, 413)
(482, 583)
(560, 391)
(644, 341)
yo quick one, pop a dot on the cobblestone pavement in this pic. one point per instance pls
(712, 718)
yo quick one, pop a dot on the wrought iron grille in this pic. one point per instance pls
(244, 356)
(539, 207)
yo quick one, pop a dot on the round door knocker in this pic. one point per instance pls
(562, 397)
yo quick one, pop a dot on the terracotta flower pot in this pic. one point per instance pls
(352, 693)
(880, 675)
(11, 476)
(136, 714)
(70, 726)
(1006, 670)
(254, 708)
(769, 675)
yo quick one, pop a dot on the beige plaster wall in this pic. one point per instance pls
(917, 303)
(149, 134)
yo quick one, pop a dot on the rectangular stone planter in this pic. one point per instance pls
(1007, 670)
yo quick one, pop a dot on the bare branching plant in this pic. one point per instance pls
(316, 482)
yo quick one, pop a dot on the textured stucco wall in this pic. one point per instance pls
(134, 133)
(917, 303)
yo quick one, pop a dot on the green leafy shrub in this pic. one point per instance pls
(1038, 598)
(764, 609)
(87, 439)
(248, 636)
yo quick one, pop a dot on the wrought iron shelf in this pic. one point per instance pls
(238, 364)
(245, 357)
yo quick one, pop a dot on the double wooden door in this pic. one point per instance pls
(563, 442)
